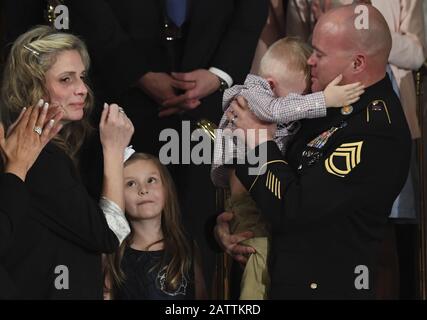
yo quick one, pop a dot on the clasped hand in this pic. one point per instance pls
(178, 92)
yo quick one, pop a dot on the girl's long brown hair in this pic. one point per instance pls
(177, 255)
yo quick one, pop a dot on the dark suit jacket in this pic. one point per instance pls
(126, 40)
(328, 204)
(14, 201)
(16, 17)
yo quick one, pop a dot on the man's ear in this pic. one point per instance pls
(359, 63)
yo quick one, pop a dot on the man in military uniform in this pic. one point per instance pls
(328, 202)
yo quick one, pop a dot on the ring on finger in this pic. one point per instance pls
(38, 130)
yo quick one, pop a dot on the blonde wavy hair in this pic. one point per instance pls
(24, 82)
(178, 250)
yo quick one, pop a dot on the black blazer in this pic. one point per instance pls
(62, 226)
(14, 202)
(328, 203)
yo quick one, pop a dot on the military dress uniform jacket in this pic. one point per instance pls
(328, 203)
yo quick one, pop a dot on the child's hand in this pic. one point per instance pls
(337, 96)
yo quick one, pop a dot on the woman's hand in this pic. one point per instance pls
(116, 129)
(27, 137)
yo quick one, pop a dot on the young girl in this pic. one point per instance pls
(157, 260)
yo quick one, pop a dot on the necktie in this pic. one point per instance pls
(177, 11)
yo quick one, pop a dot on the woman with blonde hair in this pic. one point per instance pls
(55, 253)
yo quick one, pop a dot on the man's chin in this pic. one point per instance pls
(316, 86)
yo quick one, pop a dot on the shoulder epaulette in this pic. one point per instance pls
(377, 106)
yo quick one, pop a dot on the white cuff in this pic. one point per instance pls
(222, 75)
(115, 217)
(129, 151)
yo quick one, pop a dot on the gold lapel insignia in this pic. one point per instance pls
(273, 184)
(377, 105)
(350, 154)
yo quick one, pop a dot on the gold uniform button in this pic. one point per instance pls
(313, 286)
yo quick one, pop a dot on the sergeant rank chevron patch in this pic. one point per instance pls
(344, 159)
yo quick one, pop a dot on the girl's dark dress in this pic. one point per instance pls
(145, 279)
